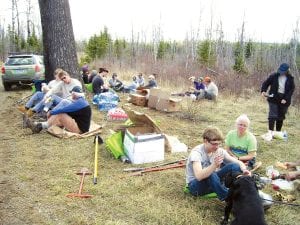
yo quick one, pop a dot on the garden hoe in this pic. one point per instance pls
(83, 172)
(98, 140)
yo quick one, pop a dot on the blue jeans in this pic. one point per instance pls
(213, 183)
(55, 100)
(35, 99)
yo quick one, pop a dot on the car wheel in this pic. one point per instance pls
(6, 86)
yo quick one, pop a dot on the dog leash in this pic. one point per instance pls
(279, 202)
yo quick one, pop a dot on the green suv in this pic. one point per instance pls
(21, 68)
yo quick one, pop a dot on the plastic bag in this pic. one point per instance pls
(114, 143)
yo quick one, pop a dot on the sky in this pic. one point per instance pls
(265, 20)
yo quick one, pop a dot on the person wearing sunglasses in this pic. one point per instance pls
(60, 91)
(241, 143)
(208, 164)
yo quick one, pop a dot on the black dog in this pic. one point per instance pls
(244, 200)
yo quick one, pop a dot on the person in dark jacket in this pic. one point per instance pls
(73, 115)
(99, 82)
(278, 88)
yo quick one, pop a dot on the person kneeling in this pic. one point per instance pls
(74, 115)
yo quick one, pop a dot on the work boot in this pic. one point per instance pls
(22, 108)
(35, 128)
(30, 112)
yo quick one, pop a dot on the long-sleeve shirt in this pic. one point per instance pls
(63, 89)
(79, 110)
(97, 84)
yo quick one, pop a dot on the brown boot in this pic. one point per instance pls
(30, 112)
(22, 108)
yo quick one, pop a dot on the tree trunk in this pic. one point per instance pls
(58, 38)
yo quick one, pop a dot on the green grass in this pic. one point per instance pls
(40, 170)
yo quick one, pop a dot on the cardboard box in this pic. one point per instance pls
(162, 100)
(143, 142)
(139, 98)
(153, 97)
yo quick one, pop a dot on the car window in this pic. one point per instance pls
(20, 61)
(41, 59)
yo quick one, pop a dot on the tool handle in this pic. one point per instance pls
(136, 169)
(139, 173)
(96, 160)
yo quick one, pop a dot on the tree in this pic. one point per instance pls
(58, 38)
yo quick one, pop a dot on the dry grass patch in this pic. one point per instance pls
(39, 170)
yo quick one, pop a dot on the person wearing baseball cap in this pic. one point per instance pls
(281, 87)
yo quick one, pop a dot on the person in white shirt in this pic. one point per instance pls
(60, 91)
(211, 90)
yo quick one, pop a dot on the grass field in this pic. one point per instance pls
(38, 170)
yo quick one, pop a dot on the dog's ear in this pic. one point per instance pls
(228, 179)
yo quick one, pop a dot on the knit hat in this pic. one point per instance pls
(200, 79)
(85, 68)
(283, 68)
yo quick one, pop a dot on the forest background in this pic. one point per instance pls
(235, 65)
(37, 170)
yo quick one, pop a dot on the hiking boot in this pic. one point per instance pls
(22, 108)
(30, 112)
(35, 128)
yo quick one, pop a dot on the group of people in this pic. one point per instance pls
(100, 82)
(203, 88)
(208, 163)
(62, 102)
(65, 106)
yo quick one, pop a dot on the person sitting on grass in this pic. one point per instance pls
(140, 80)
(35, 103)
(196, 90)
(74, 115)
(208, 164)
(151, 83)
(115, 83)
(85, 74)
(241, 143)
(60, 91)
(99, 85)
(131, 87)
(211, 89)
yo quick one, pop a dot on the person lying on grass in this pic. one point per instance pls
(241, 143)
(208, 164)
(74, 115)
